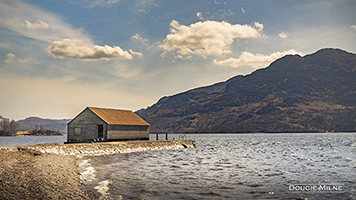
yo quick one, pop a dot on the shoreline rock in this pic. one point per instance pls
(105, 148)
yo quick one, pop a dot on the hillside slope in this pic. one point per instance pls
(314, 93)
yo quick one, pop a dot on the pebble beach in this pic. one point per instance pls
(30, 174)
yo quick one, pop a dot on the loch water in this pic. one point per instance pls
(31, 140)
(232, 166)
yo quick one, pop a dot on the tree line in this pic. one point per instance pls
(7, 127)
(42, 131)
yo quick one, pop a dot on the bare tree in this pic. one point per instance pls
(7, 127)
(12, 127)
(42, 129)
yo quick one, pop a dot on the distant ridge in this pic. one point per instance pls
(49, 124)
(314, 93)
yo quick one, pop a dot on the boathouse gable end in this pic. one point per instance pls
(86, 127)
(94, 124)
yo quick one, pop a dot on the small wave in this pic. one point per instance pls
(239, 166)
(102, 188)
(226, 188)
(88, 173)
(256, 143)
(210, 194)
(275, 174)
(254, 185)
(216, 169)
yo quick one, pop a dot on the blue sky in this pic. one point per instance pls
(57, 57)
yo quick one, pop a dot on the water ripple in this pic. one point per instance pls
(233, 166)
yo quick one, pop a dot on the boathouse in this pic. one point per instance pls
(102, 124)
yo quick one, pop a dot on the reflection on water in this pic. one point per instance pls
(234, 166)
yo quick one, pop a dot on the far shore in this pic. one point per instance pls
(27, 135)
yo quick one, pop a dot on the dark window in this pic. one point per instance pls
(77, 131)
(100, 131)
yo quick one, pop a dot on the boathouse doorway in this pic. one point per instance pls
(100, 131)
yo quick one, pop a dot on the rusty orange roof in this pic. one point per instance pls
(118, 117)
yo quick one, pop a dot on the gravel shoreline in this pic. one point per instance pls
(30, 174)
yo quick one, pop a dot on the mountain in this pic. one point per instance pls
(49, 124)
(314, 93)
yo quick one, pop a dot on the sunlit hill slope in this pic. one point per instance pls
(314, 93)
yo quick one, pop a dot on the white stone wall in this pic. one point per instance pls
(102, 148)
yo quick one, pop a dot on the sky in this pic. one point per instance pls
(58, 57)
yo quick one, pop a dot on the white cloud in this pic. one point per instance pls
(38, 25)
(21, 17)
(136, 36)
(282, 35)
(74, 48)
(140, 39)
(144, 6)
(103, 3)
(139, 54)
(26, 60)
(353, 26)
(10, 57)
(242, 9)
(207, 38)
(254, 60)
(200, 16)
(179, 56)
(259, 26)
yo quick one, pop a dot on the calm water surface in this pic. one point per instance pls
(31, 140)
(232, 166)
